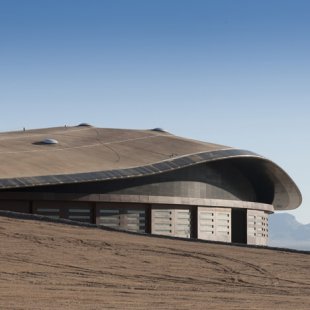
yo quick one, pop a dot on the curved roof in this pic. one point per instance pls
(85, 154)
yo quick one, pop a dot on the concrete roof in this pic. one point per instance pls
(85, 153)
(88, 149)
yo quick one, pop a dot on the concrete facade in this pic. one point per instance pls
(144, 181)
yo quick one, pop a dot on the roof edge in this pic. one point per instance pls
(288, 187)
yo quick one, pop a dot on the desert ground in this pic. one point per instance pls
(57, 266)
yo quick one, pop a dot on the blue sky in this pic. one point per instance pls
(231, 72)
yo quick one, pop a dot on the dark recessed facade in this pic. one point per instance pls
(144, 181)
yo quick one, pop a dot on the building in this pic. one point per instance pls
(143, 180)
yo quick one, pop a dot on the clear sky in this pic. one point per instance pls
(226, 71)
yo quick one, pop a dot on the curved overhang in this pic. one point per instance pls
(286, 194)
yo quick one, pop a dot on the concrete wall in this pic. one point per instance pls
(199, 201)
(215, 180)
(214, 224)
(187, 221)
(257, 227)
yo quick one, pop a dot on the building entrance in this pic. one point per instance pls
(239, 225)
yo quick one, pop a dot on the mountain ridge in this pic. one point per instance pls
(286, 231)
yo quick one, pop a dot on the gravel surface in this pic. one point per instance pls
(57, 266)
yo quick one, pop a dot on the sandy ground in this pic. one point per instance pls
(57, 266)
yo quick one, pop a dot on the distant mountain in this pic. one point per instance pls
(285, 231)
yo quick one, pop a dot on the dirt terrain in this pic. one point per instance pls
(57, 266)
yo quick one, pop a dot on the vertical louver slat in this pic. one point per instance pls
(79, 214)
(50, 212)
(214, 224)
(134, 220)
(182, 224)
(257, 227)
(171, 222)
(127, 218)
(110, 218)
(162, 221)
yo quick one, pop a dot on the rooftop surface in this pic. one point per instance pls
(84, 149)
